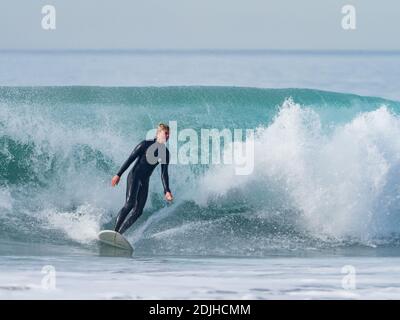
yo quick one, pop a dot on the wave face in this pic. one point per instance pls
(326, 172)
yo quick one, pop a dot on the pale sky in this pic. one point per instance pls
(200, 24)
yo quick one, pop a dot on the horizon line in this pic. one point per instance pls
(201, 51)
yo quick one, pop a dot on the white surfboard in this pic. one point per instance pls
(114, 239)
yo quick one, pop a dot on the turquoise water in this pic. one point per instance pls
(61, 145)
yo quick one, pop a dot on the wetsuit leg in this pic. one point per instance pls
(132, 188)
(138, 210)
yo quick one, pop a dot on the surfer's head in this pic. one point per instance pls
(162, 135)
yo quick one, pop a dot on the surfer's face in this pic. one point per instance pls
(162, 136)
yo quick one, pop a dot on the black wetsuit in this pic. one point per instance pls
(149, 154)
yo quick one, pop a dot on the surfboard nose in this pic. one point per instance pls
(114, 239)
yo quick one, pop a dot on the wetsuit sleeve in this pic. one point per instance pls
(164, 174)
(139, 149)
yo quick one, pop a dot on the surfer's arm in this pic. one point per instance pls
(135, 153)
(164, 174)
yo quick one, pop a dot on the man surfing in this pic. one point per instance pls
(149, 153)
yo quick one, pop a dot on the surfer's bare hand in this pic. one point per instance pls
(168, 196)
(115, 180)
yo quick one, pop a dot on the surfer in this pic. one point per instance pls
(149, 153)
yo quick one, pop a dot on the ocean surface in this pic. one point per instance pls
(317, 218)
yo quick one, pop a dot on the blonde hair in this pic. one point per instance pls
(162, 127)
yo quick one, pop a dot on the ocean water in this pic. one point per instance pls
(317, 218)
